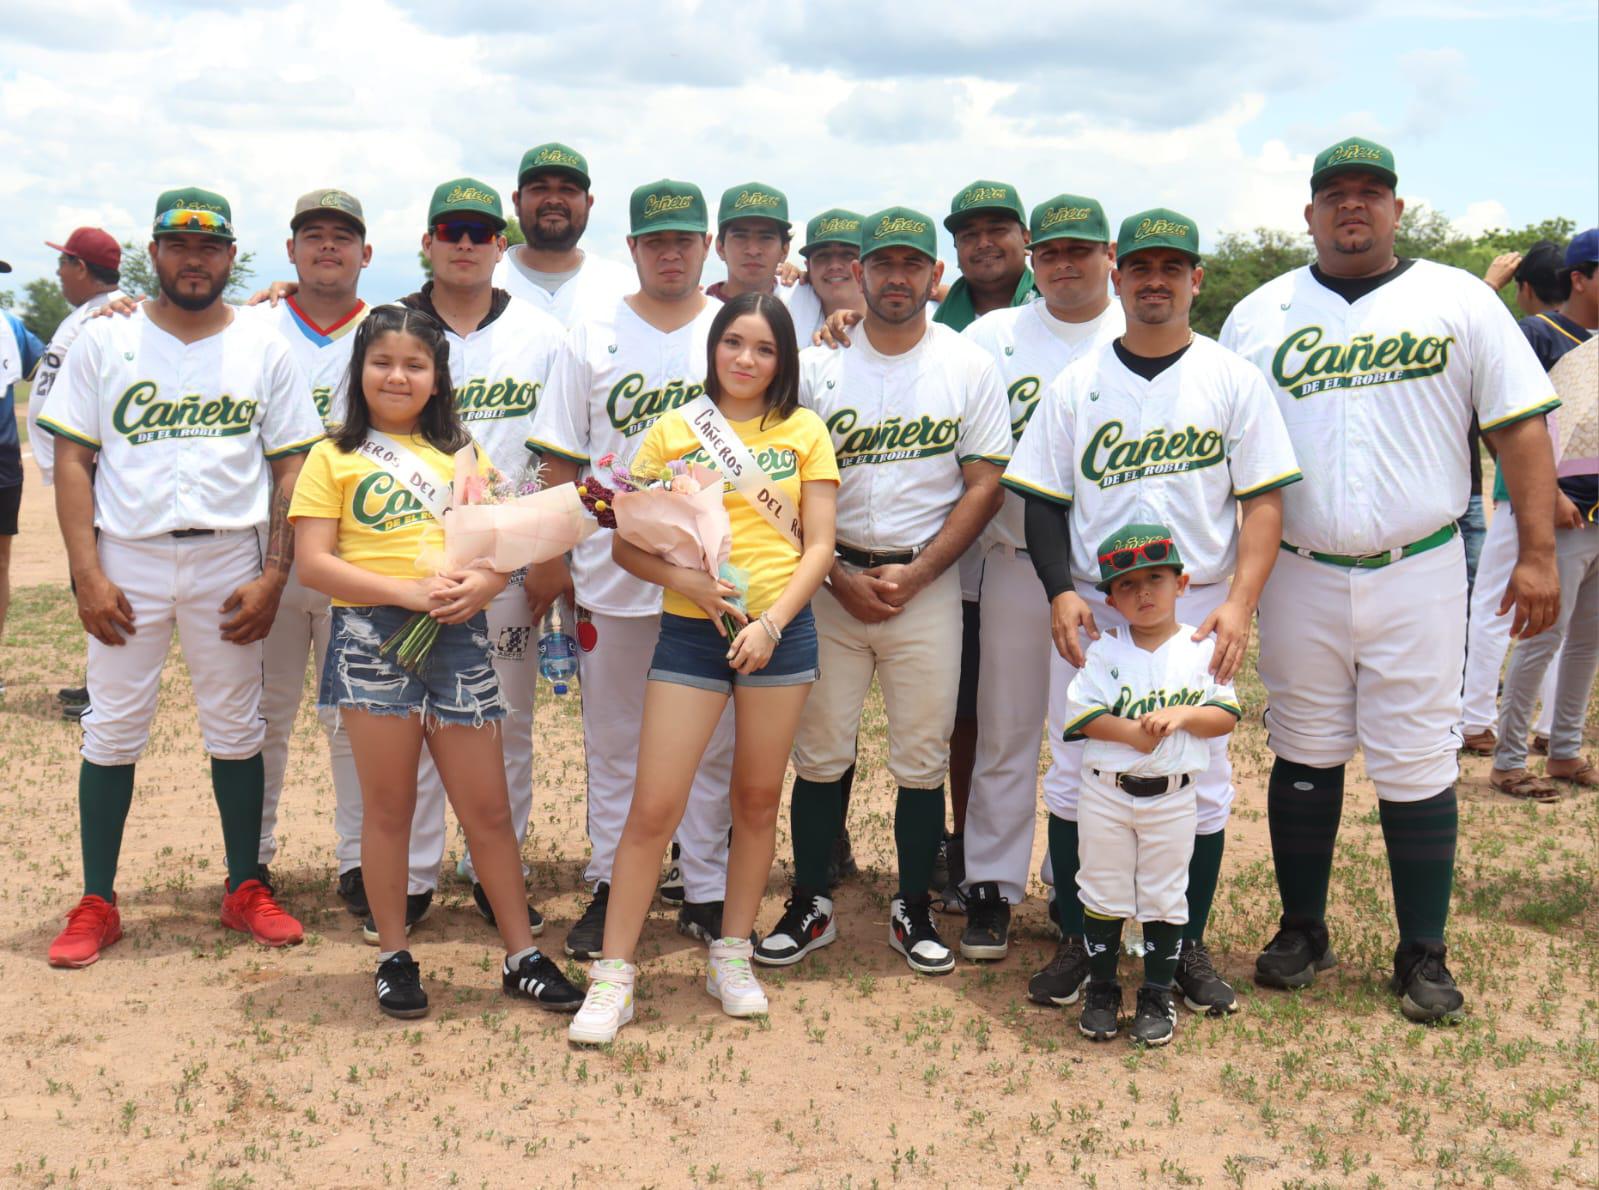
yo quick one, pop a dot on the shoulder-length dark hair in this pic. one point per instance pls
(438, 424)
(782, 395)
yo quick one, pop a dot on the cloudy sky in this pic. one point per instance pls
(1215, 109)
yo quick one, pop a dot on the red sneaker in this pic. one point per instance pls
(251, 910)
(91, 926)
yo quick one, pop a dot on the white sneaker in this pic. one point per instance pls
(607, 1006)
(730, 979)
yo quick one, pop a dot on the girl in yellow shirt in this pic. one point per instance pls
(359, 526)
(752, 375)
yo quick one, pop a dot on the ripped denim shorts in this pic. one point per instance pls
(457, 685)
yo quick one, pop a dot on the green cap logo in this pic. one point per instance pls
(899, 227)
(1136, 547)
(1158, 228)
(553, 158)
(985, 196)
(466, 196)
(1069, 217)
(836, 226)
(753, 200)
(192, 211)
(1353, 154)
(667, 206)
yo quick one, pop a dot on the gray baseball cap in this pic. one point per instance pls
(328, 202)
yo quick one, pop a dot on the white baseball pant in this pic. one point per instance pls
(613, 677)
(1488, 633)
(1135, 851)
(301, 628)
(1369, 659)
(176, 581)
(1213, 788)
(1014, 684)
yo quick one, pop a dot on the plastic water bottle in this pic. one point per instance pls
(557, 650)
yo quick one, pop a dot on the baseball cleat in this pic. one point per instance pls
(1155, 1021)
(1298, 950)
(1102, 1005)
(92, 925)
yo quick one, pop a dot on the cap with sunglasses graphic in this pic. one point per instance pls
(1136, 547)
(193, 211)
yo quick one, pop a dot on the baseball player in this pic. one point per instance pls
(612, 378)
(1378, 364)
(188, 407)
(1030, 344)
(20, 354)
(832, 246)
(917, 417)
(752, 238)
(501, 354)
(552, 203)
(1161, 425)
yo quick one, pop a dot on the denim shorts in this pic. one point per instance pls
(693, 652)
(457, 685)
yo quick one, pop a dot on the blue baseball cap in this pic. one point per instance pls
(1583, 249)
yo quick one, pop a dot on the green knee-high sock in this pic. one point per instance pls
(239, 786)
(1303, 807)
(1162, 942)
(816, 812)
(1063, 862)
(1421, 862)
(1203, 872)
(105, 793)
(1103, 938)
(918, 826)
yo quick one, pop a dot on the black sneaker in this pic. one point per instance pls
(417, 906)
(947, 891)
(671, 887)
(987, 932)
(399, 985)
(352, 891)
(1062, 980)
(701, 920)
(74, 702)
(911, 932)
(807, 924)
(1426, 990)
(1156, 1019)
(1102, 1005)
(535, 919)
(1298, 950)
(1202, 989)
(540, 980)
(842, 865)
(587, 935)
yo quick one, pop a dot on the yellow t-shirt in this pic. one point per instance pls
(793, 451)
(383, 528)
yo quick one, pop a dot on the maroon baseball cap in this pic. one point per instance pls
(92, 246)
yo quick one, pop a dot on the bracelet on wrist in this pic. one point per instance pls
(772, 630)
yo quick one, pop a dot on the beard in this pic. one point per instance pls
(917, 305)
(1357, 248)
(1154, 316)
(191, 301)
(558, 237)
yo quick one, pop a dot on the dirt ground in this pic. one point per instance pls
(187, 1057)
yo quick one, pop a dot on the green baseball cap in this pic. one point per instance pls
(327, 202)
(466, 196)
(1129, 549)
(899, 227)
(1157, 228)
(191, 210)
(835, 226)
(668, 206)
(753, 200)
(1069, 217)
(553, 158)
(1354, 153)
(985, 196)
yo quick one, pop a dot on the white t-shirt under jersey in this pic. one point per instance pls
(591, 293)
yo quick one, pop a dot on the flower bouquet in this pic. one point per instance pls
(677, 515)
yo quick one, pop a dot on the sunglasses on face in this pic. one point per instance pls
(184, 219)
(1150, 551)
(451, 231)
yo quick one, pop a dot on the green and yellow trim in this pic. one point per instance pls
(296, 448)
(1232, 708)
(540, 447)
(1260, 489)
(1546, 406)
(997, 460)
(1022, 488)
(61, 431)
(1074, 729)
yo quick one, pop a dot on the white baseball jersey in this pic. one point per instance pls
(902, 426)
(44, 378)
(1180, 450)
(597, 287)
(1030, 346)
(1378, 395)
(612, 378)
(184, 430)
(805, 308)
(1119, 678)
(323, 354)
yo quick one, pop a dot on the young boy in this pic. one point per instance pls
(1145, 701)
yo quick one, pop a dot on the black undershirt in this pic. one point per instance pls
(1147, 366)
(422, 300)
(1352, 289)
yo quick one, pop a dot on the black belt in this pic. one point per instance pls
(193, 533)
(867, 559)
(1145, 786)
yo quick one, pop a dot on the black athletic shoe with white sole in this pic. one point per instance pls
(670, 890)
(1102, 1006)
(701, 920)
(1298, 950)
(986, 937)
(1201, 988)
(806, 925)
(911, 932)
(1062, 980)
(352, 891)
(1155, 1021)
(538, 979)
(587, 935)
(399, 987)
(535, 919)
(417, 906)
(1425, 988)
